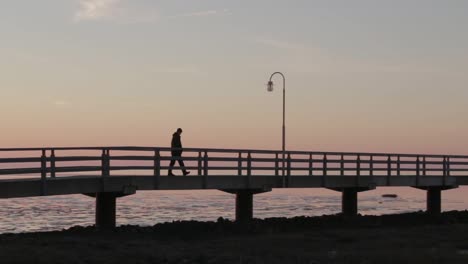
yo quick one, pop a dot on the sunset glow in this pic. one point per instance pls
(381, 77)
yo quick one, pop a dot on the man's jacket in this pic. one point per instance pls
(176, 141)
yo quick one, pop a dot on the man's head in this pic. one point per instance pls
(179, 131)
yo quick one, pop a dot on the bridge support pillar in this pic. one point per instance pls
(434, 201)
(349, 201)
(244, 206)
(349, 198)
(434, 197)
(106, 206)
(105, 210)
(244, 203)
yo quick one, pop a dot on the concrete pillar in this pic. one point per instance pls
(244, 202)
(349, 202)
(244, 206)
(434, 200)
(105, 210)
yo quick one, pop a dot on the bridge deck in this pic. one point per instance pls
(13, 188)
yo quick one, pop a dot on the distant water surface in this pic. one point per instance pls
(151, 207)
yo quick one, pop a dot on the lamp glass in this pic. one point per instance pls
(270, 86)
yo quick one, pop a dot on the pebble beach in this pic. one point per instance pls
(400, 238)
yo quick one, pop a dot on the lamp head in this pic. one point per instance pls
(270, 86)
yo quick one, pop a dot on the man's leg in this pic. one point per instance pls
(182, 166)
(171, 165)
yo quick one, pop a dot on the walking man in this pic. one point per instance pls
(176, 152)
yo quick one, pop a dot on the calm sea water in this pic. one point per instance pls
(150, 207)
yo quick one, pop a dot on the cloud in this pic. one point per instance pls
(95, 9)
(126, 11)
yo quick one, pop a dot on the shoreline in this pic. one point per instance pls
(400, 238)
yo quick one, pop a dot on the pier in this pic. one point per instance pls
(108, 173)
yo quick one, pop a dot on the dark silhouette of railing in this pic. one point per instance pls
(242, 162)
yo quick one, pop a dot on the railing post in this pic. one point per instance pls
(276, 165)
(448, 167)
(371, 166)
(324, 170)
(342, 165)
(249, 169)
(249, 164)
(52, 163)
(157, 168)
(108, 162)
(443, 167)
(418, 170)
(200, 163)
(205, 164)
(105, 163)
(389, 169)
(311, 165)
(239, 164)
(445, 170)
(399, 166)
(43, 172)
(358, 170)
(288, 182)
(205, 170)
(424, 167)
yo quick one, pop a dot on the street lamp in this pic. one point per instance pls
(270, 89)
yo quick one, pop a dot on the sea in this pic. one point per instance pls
(146, 208)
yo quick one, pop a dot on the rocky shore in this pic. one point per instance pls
(404, 238)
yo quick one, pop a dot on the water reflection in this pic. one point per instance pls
(147, 208)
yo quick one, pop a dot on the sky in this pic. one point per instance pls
(363, 75)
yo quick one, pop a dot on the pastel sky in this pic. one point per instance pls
(362, 75)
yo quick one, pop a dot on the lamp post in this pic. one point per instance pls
(270, 89)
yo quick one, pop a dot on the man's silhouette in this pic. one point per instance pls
(177, 153)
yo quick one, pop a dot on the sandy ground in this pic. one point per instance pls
(408, 238)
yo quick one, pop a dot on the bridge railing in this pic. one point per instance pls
(115, 161)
